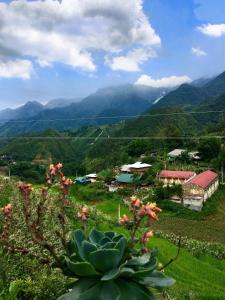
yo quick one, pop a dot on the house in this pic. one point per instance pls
(197, 190)
(82, 180)
(176, 153)
(168, 177)
(194, 155)
(92, 177)
(4, 171)
(138, 168)
(125, 168)
(127, 179)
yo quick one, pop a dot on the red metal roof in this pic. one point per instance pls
(204, 179)
(176, 174)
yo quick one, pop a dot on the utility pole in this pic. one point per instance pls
(222, 172)
(119, 212)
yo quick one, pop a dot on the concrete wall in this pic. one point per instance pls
(171, 181)
(194, 197)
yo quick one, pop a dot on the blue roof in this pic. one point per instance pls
(82, 180)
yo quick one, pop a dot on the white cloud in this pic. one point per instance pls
(198, 51)
(170, 81)
(132, 61)
(43, 63)
(213, 30)
(17, 68)
(68, 31)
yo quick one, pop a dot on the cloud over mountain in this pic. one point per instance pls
(170, 81)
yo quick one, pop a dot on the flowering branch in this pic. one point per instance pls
(35, 221)
(141, 215)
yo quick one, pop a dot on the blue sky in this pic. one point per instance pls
(68, 49)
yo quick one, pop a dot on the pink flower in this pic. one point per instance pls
(142, 211)
(157, 209)
(58, 166)
(137, 203)
(53, 171)
(7, 209)
(124, 219)
(149, 234)
(146, 237)
(144, 250)
(49, 181)
(133, 198)
(84, 217)
(84, 210)
(152, 214)
(25, 187)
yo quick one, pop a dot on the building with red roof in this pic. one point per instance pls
(170, 177)
(198, 189)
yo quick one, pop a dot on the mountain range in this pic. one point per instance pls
(183, 112)
(113, 104)
(106, 106)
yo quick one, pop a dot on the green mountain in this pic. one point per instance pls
(189, 95)
(106, 106)
(185, 96)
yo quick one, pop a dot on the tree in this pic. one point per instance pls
(209, 149)
(137, 147)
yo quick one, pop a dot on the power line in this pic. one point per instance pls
(114, 117)
(115, 138)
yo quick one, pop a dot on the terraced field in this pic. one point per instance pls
(197, 278)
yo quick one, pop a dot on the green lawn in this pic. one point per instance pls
(106, 202)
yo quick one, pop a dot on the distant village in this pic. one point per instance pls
(196, 188)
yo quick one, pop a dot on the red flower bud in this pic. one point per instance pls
(58, 166)
(124, 219)
(137, 203)
(152, 214)
(144, 250)
(157, 209)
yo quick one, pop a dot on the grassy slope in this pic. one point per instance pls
(207, 225)
(202, 277)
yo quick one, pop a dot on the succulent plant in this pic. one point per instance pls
(107, 269)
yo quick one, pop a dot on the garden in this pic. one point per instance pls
(63, 242)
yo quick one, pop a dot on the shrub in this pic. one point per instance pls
(106, 268)
(195, 247)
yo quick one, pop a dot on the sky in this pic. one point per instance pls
(53, 49)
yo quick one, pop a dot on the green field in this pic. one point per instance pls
(197, 278)
(207, 225)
